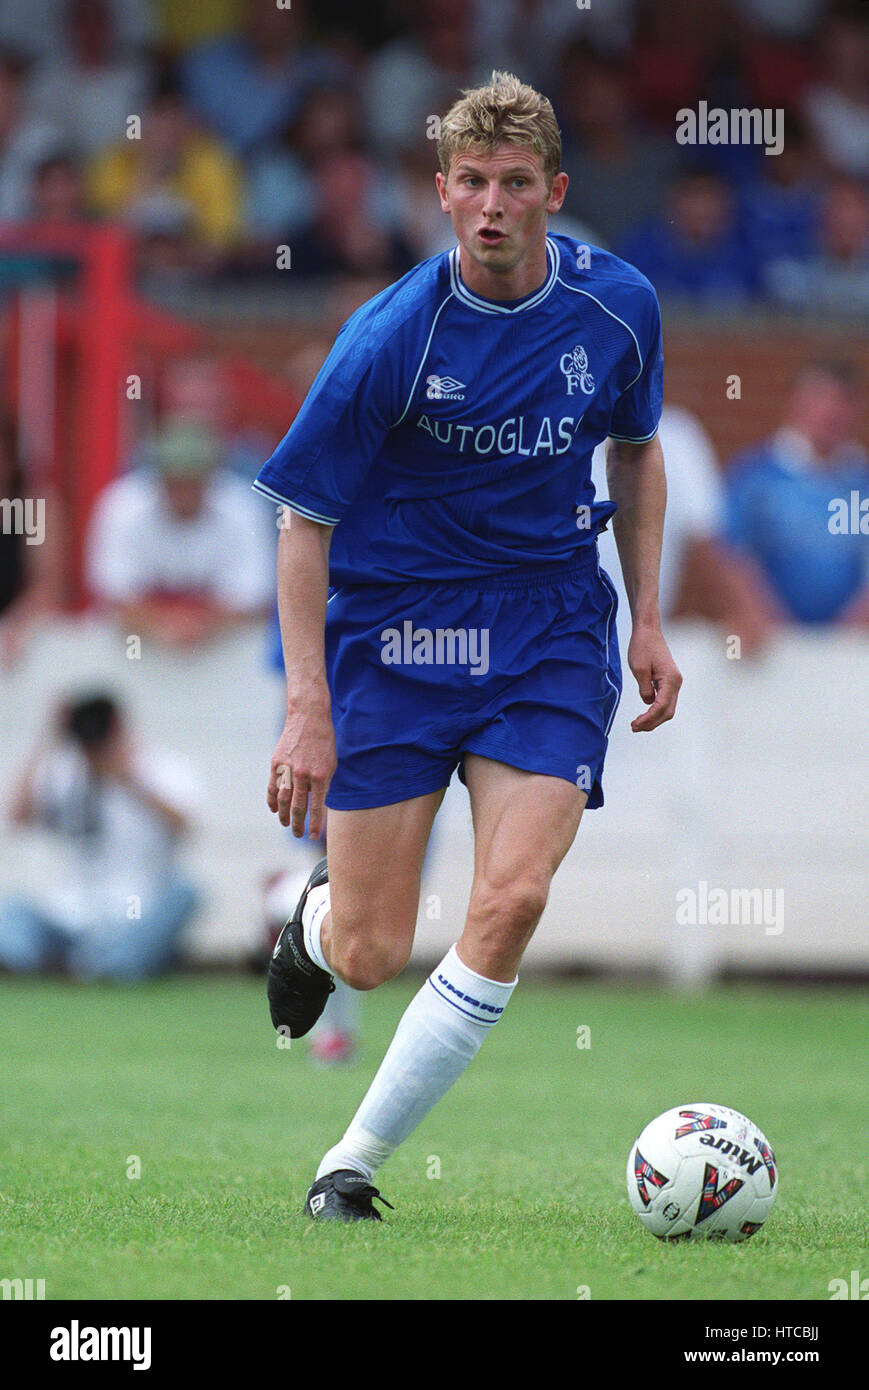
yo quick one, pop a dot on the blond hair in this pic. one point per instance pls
(506, 110)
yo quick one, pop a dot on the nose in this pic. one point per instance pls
(492, 201)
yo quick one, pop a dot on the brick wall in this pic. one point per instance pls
(700, 356)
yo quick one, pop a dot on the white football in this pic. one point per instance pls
(702, 1171)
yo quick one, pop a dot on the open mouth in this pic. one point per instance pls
(491, 235)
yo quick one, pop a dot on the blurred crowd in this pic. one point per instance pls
(225, 131)
(232, 133)
(223, 136)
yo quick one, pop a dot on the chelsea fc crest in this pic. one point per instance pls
(575, 367)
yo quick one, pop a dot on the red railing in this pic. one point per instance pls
(70, 353)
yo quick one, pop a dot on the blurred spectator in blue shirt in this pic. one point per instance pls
(835, 278)
(25, 139)
(529, 36)
(419, 74)
(283, 199)
(693, 249)
(92, 87)
(348, 237)
(249, 86)
(618, 172)
(280, 190)
(780, 210)
(787, 497)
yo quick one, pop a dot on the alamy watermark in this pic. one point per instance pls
(855, 1287)
(739, 126)
(735, 907)
(23, 516)
(440, 646)
(77, 1343)
(22, 1289)
(849, 516)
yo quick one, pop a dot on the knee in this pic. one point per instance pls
(365, 963)
(508, 911)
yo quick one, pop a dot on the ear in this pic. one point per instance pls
(557, 192)
(442, 190)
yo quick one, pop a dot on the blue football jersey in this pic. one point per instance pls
(449, 436)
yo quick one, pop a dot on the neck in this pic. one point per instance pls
(524, 278)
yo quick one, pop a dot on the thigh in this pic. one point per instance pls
(375, 867)
(397, 720)
(555, 682)
(524, 822)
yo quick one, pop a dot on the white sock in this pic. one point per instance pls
(442, 1030)
(313, 916)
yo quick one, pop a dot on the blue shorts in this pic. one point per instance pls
(520, 667)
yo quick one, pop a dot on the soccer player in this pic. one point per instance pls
(438, 480)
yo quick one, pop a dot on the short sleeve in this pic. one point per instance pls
(245, 582)
(321, 463)
(695, 490)
(172, 779)
(112, 555)
(637, 411)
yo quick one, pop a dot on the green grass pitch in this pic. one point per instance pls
(513, 1188)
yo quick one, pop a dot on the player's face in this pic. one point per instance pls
(498, 203)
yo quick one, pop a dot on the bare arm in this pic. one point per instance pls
(176, 820)
(719, 584)
(22, 804)
(179, 624)
(638, 486)
(304, 760)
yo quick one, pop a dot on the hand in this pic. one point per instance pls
(302, 767)
(754, 628)
(657, 676)
(856, 614)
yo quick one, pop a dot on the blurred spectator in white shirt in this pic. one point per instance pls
(119, 898)
(701, 575)
(180, 551)
(200, 390)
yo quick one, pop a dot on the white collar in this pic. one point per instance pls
(796, 455)
(491, 306)
(794, 452)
